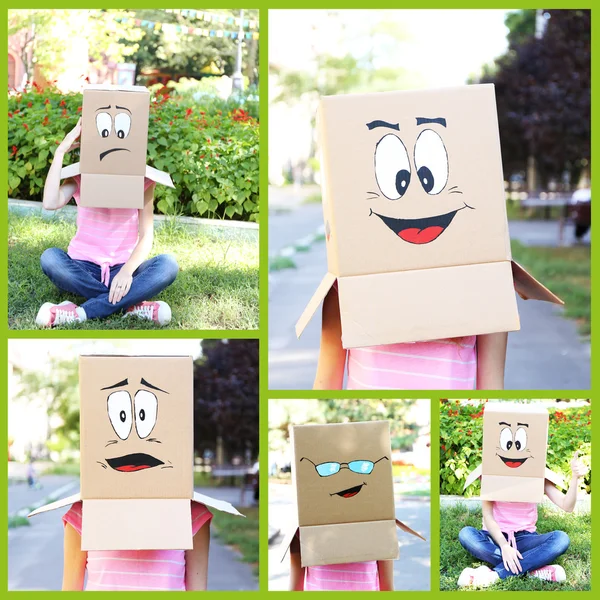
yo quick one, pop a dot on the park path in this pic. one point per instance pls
(546, 354)
(35, 553)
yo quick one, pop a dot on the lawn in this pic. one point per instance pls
(240, 533)
(216, 288)
(566, 271)
(576, 561)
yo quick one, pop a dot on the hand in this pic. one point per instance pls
(578, 469)
(120, 286)
(510, 558)
(70, 140)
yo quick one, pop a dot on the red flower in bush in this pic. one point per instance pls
(10, 114)
(64, 112)
(14, 151)
(79, 109)
(29, 104)
(188, 112)
(62, 103)
(47, 101)
(45, 121)
(26, 126)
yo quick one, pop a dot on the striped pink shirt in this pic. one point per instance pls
(350, 577)
(515, 516)
(105, 236)
(441, 364)
(129, 570)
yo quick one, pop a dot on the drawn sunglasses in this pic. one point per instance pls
(363, 467)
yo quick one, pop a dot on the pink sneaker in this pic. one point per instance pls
(480, 577)
(51, 315)
(550, 573)
(159, 311)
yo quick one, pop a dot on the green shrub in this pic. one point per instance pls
(212, 154)
(461, 443)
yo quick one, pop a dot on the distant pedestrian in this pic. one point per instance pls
(32, 480)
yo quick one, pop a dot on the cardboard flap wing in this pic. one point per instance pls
(70, 170)
(318, 297)
(286, 542)
(218, 504)
(529, 288)
(472, 476)
(159, 176)
(407, 529)
(555, 478)
(57, 504)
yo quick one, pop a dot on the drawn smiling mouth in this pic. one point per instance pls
(133, 462)
(350, 492)
(419, 231)
(513, 463)
(106, 152)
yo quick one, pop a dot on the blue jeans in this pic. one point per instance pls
(84, 279)
(538, 550)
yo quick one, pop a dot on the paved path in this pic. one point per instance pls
(546, 354)
(411, 570)
(35, 558)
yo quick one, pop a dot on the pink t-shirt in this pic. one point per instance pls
(130, 570)
(441, 364)
(105, 236)
(515, 516)
(350, 577)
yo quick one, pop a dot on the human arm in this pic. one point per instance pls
(74, 561)
(196, 561)
(491, 359)
(296, 568)
(121, 284)
(385, 571)
(567, 501)
(510, 555)
(332, 357)
(57, 195)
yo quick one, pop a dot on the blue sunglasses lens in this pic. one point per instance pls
(328, 468)
(361, 466)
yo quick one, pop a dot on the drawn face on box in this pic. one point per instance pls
(114, 132)
(136, 427)
(343, 471)
(418, 179)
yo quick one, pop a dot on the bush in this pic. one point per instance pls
(461, 443)
(212, 155)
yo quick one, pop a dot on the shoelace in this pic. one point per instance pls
(64, 315)
(145, 310)
(544, 574)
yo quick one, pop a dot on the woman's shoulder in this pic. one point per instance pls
(73, 516)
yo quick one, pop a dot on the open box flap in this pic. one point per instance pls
(70, 170)
(57, 504)
(318, 297)
(159, 176)
(286, 542)
(529, 288)
(555, 478)
(218, 504)
(472, 476)
(407, 529)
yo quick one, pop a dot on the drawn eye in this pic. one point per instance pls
(122, 125)
(506, 439)
(119, 413)
(392, 167)
(146, 407)
(103, 124)
(431, 161)
(521, 439)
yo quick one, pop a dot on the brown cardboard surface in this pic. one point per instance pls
(315, 302)
(112, 386)
(368, 497)
(512, 489)
(348, 542)
(529, 288)
(159, 177)
(112, 191)
(56, 504)
(420, 305)
(136, 524)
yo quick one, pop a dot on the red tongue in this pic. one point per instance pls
(513, 465)
(350, 494)
(421, 236)
(131, 468)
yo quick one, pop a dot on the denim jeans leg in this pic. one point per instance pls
(539, 550)
(480, 545)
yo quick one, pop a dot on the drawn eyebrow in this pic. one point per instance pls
(103, 108)
(144, 382)
(424, 120)
(122, 108)
(524, 424)
(378, 123)
(120, 384)
(504, 423)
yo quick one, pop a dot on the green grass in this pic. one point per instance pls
(566, 271)
(216, 288)
(16, 521)
(240, 533)
(576, 561)
(278, 263)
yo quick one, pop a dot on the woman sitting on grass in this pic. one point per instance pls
(510, 543)
(106, 261)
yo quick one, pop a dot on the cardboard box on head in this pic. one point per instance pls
(114, 139)
(515, 444)
(136, 454)
(415, 217)
(342, 476)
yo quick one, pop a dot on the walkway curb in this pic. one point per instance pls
(53, 496)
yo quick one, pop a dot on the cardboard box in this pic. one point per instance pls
(136, 458)
(515, 444)
(415, 217)
(114, 139)
(342, 476)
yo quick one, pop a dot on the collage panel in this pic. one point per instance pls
(515, 494)
(127, 469)
(349, 495)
